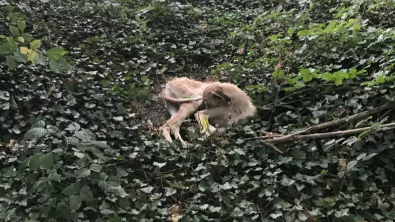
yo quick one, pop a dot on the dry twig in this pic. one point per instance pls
(269, 140)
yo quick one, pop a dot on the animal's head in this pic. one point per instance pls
(214, 96)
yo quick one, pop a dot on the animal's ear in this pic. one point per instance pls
(219, 93)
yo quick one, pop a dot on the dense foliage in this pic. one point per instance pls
(79, 84)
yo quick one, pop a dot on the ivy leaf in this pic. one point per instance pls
(95, 167)
(55, 66)
(20, 57)
(72, 189)
(170, 191)
(31, 56)
(41, 59)
(278, 74)
(83, 172)
(21, 25)
(86, 194)
(39, 123)
(100, 144)
(147, 189)
(368, 157)
(56, 53)
(10, 62)
(27, 37)
(34, 161)
(75, 202)
(35, 44)
(4, 50)
(226, 199)
(47, 161)
(119, 191)
(351, 164)
(73, 127)
(14, 30)
(35, 133)
(21, 39)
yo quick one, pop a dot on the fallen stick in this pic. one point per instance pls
(348, 119)
(329, 134)
(333, 123)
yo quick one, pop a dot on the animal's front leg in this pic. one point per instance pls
(174, 123)
(166, 132)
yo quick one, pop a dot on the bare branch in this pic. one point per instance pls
(334, 122)
(271, 145)
(327, 135)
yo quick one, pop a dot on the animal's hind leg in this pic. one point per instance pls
(165, 128)
(174, 123)
(166, 133)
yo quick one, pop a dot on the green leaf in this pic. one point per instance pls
(21, 25)
(380, 79)
(72, 189)
(147, 189)
(21, 39)
(170, 191)
(63, 208)
(75, 202)
(47, 161)
(27, 37)
(95, 167)
(64, 63)
(119, 191)
(34, 162)
(368, 157)
(10, 62)
(84, 172)
(4, 50)
(56, 53)
(35, 133)
(202, 186)
(361, 156)
(14, 30)
(100, 144)
(286, 181)
(305, 72)
(39, 123)
(86, 194)
(351, 164)
(84, 134)
(55, 66)
(304, 33)
(81, 4)
(41, 59)
(291, 31)
(20, 57)
(73, 127)
(338, 81)
(279, 74)
(226, 199)
(307, 78)
(35, 44)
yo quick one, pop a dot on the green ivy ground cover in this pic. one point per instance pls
(79, 109)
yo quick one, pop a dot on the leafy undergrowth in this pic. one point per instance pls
(79, 84)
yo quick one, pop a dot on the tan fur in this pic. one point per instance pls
(226, 104)
(178, 88)
(171, 99)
